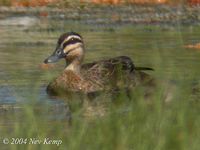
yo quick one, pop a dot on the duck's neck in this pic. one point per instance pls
(74, 66)
(74, 60)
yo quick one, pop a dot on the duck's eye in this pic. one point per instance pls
(58, 52)
(72, 39)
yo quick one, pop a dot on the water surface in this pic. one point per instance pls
(26, 41)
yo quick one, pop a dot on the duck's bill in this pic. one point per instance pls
(51, 59)
(58, 54)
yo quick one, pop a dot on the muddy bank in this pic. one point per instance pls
(107, 14)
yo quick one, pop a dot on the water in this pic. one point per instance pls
(26, 41)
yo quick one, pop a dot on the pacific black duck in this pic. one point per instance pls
(103, 75)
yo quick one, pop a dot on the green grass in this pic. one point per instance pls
(135, 124)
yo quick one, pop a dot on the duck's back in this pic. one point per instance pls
(118, 72)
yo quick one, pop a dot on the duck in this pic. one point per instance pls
(101, 75)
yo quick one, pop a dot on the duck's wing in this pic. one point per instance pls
(121, 62)
(124, 62)
(108, 71)
(114, 74)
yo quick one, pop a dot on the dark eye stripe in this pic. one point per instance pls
(72, 41)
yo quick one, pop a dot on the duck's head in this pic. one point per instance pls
(69, 46)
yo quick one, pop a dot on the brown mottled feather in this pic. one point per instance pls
(118, 72)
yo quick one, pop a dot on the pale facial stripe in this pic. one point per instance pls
(72, 47)
(73, 36)
(70, 37)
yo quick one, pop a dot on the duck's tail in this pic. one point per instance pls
(144, 68)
